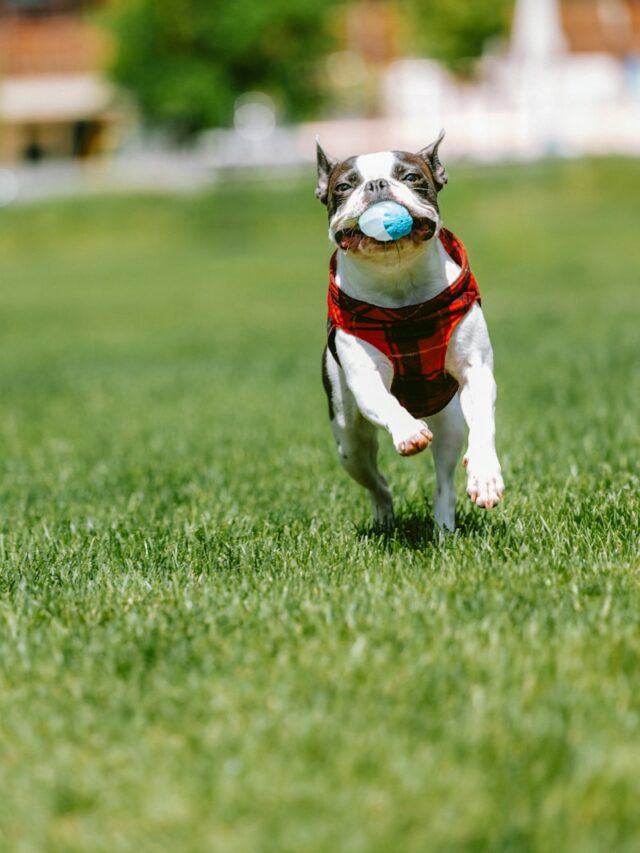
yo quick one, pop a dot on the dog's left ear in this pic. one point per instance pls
(430, 156)
(326, 165)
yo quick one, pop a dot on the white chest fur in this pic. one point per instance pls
(400, 281)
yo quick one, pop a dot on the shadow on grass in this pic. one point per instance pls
(416, 529)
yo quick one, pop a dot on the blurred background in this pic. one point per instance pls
(203, 644)
(117, 93)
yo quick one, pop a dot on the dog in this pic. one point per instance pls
(407, 339)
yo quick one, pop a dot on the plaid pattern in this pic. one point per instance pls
(415, 337)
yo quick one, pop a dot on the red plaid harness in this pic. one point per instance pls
(415, 337)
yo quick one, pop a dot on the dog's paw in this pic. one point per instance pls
(413, 438)
(485, 486)
(383, 515)
(444, 510)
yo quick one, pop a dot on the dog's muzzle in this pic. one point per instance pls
(350, 237)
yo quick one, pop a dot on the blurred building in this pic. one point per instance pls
(601, 26)
(54, 101)
(566, 82)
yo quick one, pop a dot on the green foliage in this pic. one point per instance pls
(204, 646)
(186, 61)
(456, 31)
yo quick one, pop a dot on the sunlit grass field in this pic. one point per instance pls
(204, 646)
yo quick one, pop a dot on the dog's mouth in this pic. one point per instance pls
(351, 239)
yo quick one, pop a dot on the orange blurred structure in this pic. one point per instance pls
(53, 99)
(601, 26)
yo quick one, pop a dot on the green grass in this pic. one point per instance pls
(204, 645)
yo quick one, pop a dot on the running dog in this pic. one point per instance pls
(408, 348)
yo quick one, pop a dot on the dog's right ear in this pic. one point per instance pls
(326, 165)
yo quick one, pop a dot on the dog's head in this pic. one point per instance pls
(350, 186)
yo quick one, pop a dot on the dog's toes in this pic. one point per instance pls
(488, 501)
(415, 443)
(484, 485)
(411, 436)
(383, 516)
(486, 494)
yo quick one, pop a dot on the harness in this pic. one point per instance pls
(415, 337)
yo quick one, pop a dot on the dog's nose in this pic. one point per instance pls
(377, 186)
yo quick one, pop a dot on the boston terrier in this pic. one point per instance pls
(408, 347)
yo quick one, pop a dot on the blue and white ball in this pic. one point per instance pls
(386, 221)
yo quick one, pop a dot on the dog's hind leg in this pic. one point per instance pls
(356, 441)
(448, 429)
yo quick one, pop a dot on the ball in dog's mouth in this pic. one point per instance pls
(351, 239)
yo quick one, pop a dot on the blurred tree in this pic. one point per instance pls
(186, 61)
(455, 31)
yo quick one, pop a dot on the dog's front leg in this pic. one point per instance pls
(477, 397)
(369, 375)
(470, 360)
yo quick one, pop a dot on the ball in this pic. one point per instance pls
(386, 221)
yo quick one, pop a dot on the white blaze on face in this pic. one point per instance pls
(370, 167)
(375, 166)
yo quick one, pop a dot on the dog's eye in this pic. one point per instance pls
(412, 177)
(343, 187)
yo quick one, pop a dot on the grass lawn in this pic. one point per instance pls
(203, 643)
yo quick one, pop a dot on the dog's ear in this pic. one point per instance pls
(430, 156)
(326, 165)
